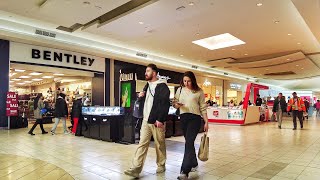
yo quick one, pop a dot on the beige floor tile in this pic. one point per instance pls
(234, 177)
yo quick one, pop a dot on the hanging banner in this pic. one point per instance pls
(12, 104)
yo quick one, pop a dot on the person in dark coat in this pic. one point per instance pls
(76, 113)
(279, 107)
(60, 113)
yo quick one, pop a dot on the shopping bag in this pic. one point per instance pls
(203, 153)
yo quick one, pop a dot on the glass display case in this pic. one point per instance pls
(103, 111)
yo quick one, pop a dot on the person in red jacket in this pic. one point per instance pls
(298, 107)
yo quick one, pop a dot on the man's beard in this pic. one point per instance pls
(148, 78)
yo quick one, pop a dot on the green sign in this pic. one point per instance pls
(125, 95)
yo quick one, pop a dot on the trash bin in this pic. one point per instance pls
(95, 127)
(86, 126)
(105, 131)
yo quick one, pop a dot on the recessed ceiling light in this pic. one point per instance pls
(21, 83)
(141, 22)
(191, 3)
(233, 49)
(58, 74)
(35, 74)
(267, 69)
(19, 70)
(288, 59)
(297, 65)
(181, 55)
(47, 77)
(276, 22)
(86, 3)
(12, 74)
(298, 43)
(302, 68)
(28, 81)
(246, 54)
(36, 79)
(259, 4)
(24, 77)
(289, 34)
(219, 41)
(16, 79)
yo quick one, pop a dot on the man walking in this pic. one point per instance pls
(298, 107)
(279, 107)
(156, 98)
(60, 113)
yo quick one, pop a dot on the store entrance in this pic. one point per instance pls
(30, 80)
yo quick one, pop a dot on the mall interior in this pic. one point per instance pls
(244, 53)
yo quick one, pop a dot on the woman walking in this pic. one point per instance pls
(191, 102)
(38, 106)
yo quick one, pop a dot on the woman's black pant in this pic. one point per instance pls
(190, 126)
(40, 122)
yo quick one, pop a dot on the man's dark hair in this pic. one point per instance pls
(153, 67)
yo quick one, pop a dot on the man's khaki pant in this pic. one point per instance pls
(148, 130)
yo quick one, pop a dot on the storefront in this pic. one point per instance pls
(37, 70)
(233, 91)
(213, 89)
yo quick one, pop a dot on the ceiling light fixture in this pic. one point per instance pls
(47, 77)
(276, 22)
(259, 4)
(246, 54)
(297, 65)
(16, 79)
(24, 77)
(58, 74)
(289, 34)
(19, 70)
(36, 79)
(302, 68)
(35, 74)
(298, 43)
(28, 81)
(288, 59)
(86, 3)
(233, 49)
(181, 55)
(267, 69)
(219, 41)
(21, 83)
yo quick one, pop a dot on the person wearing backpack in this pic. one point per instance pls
(156, 104)
(190, 100)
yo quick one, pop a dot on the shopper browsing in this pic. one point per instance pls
(279, 107)
(60, 113)
(190, 100)
(76, 113)
(38, 107)
(156, 98)
(297, 106)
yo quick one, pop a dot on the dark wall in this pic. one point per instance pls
(98, 89)
(107, 83)
(140, 70)
(4, 80)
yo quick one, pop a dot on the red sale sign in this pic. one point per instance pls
(12, 104)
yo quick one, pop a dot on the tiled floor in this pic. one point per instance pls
(254, 152)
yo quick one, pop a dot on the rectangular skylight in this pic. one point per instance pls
(219, 41)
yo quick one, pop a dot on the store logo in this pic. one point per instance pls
(126, 77)
(235, 86)
(61, 57)
(163, 77)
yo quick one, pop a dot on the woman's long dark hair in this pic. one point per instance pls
(36, 100)
(194, 83)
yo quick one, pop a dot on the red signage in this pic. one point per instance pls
(12, 104)
(216, 113)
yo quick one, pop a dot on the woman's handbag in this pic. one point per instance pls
(178, 110)
(203, 153)
(43, 111)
